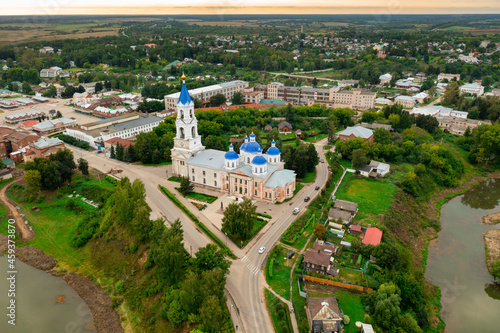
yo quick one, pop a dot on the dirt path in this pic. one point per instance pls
(22, 229)
(491, 219)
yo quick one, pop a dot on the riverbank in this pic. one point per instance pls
(491, 219)
(492, 246)
(105, 318)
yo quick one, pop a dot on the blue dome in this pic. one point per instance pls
(251, 147)
(273, 151)
(231, 155)
(184, 98)
(259, 160)
(252, 135)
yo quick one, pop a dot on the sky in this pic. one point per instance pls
(221, 7)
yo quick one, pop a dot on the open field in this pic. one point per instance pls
(278, 275)
(374, 197)
(19, 36)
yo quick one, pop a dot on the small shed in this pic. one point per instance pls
(335, 225)
(285, 127)
(9, 163)
(355, 229)
(268, 128)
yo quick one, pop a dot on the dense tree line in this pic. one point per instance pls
(50, 173)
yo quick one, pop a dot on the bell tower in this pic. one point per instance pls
(187, 141)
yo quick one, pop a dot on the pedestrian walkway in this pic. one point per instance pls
(290, 308)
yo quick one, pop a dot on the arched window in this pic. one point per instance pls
(191, 113)
(261, 170)
(182, 115)
(192, 132)
(182, 133)
(248, 159)
(233, 164)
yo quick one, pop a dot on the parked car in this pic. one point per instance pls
(262, 249)
(316, 188)
(322, 160)
(296, 211)
(306, 199)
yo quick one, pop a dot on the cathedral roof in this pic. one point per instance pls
(273, 150)
(184, 98)
(231, 155)
(251, 147)
(259, 160)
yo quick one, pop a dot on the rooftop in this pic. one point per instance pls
(373, 236)
(358, 132)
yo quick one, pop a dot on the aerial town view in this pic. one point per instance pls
(249, 167)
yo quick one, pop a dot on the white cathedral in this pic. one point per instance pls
(252, 174)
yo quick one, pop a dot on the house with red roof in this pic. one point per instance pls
(373, 236)
(115, 141)
(28, 124)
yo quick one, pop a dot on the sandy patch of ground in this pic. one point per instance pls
(491, 219)
(492, 242)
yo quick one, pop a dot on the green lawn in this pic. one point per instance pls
(75, 26)
(351, 276)
(153, 164)
(316, 137)
(309, 177)
(175, 179)
(279, 313)
(350, 303)
(54, 224)
(374, 197)
(327, 147)
(200, 197)
(298, 301)
(280, 278)
(346, 164)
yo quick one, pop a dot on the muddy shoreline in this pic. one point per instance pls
(491, 219)
(105, 318)
(492, 246)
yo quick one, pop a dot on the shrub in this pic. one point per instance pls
(31, 198)
(132, 248)
(40, 199)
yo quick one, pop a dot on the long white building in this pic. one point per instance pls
(124, 127)
(228, 89)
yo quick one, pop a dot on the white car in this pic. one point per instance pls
(262, 249)
(296, 211)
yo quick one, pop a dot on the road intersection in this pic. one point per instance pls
(246, 281)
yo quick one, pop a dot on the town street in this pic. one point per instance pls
(245, 281)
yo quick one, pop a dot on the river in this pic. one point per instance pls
(456, 263)
(44, 303)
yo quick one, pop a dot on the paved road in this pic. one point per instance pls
(246, 280)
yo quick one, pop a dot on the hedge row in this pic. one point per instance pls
(270, 267)
(265, 215)
(112, 180)
(210, 234)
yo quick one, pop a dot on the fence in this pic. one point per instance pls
(337, 284)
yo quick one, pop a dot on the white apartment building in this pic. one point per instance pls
(228, 89)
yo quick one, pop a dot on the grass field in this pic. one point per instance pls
(3, 212)
(280, 278)
(54, 224)
(200, 197)
(309, 178)
(350, 303)
(374, 197)
(257, 226)
(298, 301)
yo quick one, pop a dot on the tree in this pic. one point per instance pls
(314, 82)
(33, 179)
(387, 256)
(212, 314)
(382, 136)
(319, 230)
(98, 87)
(239, 219)
(112, 154)
(427, 122)
(210, 257)
(451, 94)
(168, 253)
(237, 99)
(186, 186)
(119, 152)
(217, 100)
(26, 88)
(51, 92)
(358, 158)
(386, 307)
(83, 166)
